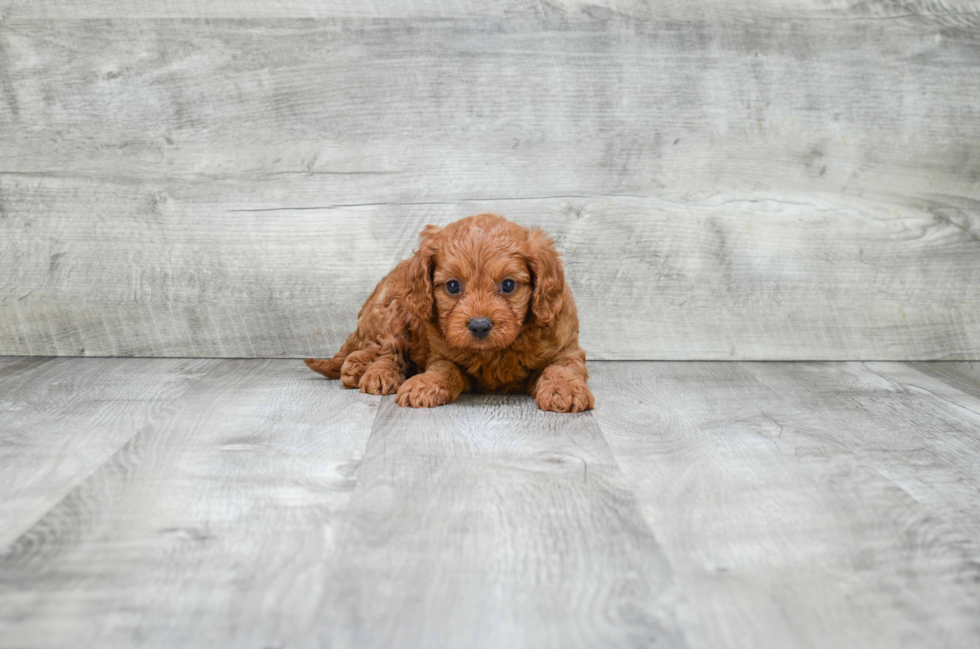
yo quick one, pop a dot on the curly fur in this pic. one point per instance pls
(413, 338)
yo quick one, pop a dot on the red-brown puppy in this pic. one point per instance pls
(482, 305)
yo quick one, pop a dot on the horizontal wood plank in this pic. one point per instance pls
(761, 190)
(956, 11)
(747, 278)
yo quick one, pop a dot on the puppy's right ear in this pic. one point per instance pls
(419, 299)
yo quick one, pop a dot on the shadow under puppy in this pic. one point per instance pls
(482, 306)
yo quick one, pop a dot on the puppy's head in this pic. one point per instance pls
(481, 279)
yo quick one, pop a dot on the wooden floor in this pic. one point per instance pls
(249, 503)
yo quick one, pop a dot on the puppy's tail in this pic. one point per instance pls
(329, 367)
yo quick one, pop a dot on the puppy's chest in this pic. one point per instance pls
(499, 372)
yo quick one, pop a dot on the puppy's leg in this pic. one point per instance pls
(356, 364)
(384, 376)
(440, 384)
(561, 386)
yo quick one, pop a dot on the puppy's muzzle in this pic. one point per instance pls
(480, 327)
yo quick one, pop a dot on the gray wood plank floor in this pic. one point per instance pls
(248, 503)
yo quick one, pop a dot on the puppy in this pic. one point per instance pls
(481, 306)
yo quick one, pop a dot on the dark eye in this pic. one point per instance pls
(508, 286)
(452, 287)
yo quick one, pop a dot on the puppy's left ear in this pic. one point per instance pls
(547, 275)
(419, 300)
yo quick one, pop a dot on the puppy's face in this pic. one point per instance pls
(481, 300)
(482, 278)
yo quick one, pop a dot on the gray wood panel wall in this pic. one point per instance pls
(786, 180)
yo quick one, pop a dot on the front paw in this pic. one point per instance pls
(564, 396)
(424, 391)
(381, 378)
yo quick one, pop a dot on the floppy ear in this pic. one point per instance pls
(419, 299)
(547, 276)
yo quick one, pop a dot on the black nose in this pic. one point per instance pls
(480, 327)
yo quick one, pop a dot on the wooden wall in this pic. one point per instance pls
(727, 180)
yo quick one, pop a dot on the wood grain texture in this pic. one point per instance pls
(780, 532)
(61, 419)
(492, 524)
(918, 431)
(708, 505)
(721, 188)
(212, 527)
(962, 12)
(962, 376)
